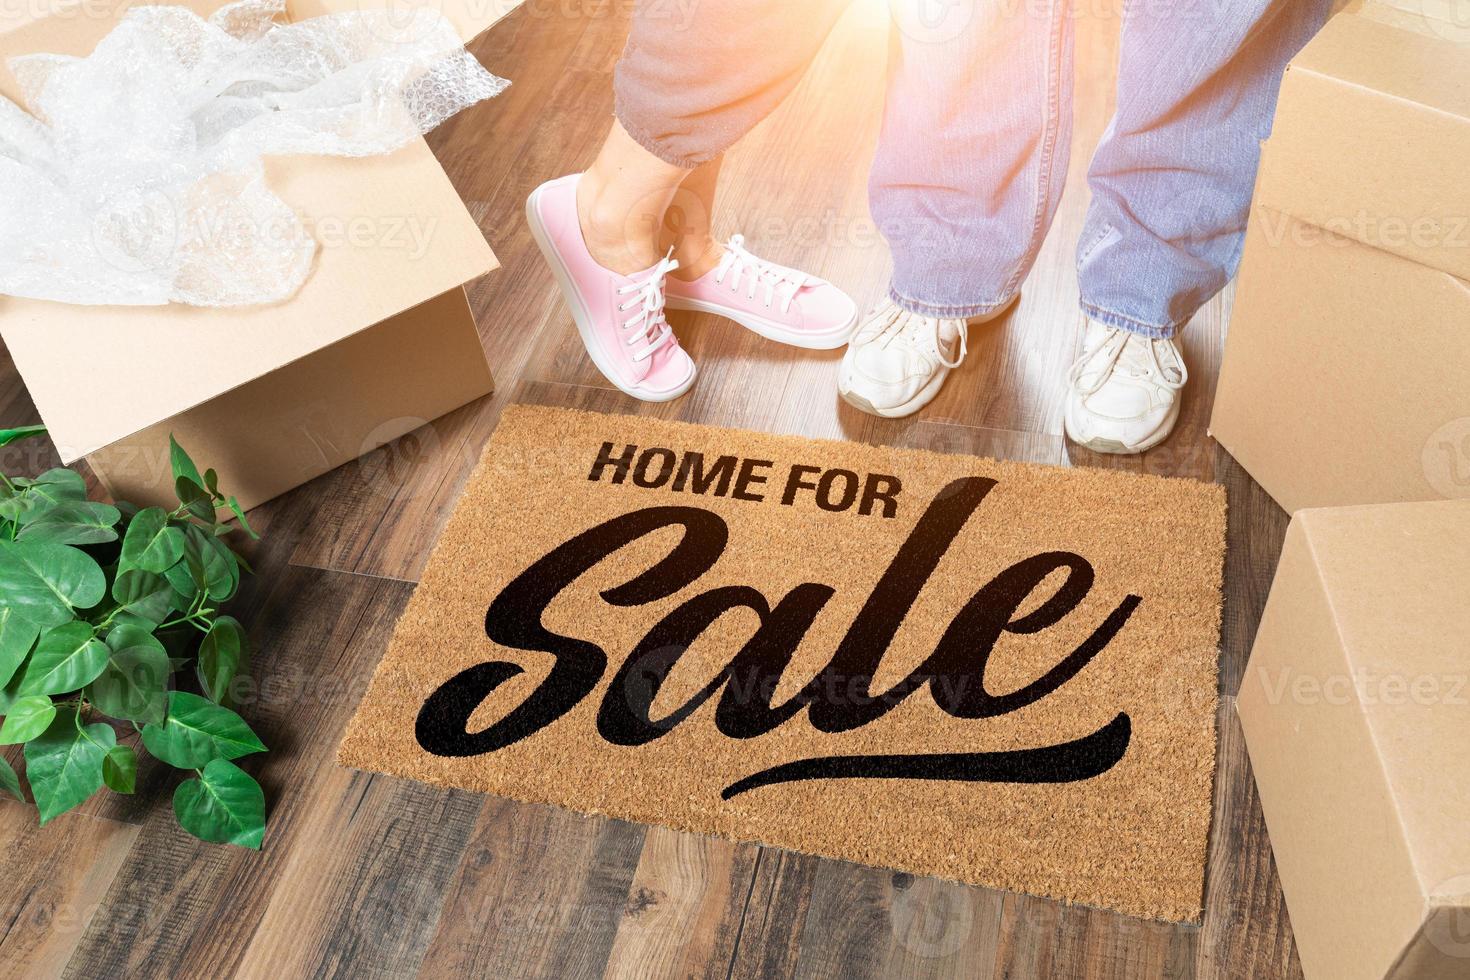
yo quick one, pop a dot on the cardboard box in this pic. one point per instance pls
(1356, 711)
(378, 341)
(1346, 376)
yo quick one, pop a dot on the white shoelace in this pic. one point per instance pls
(911, 328)
(648, 326)
(1142, 362)
(740, 266)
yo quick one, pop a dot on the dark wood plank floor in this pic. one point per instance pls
(366, 875)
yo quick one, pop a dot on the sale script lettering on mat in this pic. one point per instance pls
(841, 697)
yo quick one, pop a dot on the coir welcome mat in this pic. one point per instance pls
(994, 672)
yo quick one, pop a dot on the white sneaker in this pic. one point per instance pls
(1123, 392)
(897, 361)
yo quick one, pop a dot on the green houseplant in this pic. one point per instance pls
(101, 608)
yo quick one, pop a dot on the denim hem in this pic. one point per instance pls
(945, 312)
(1128, 323)
(643, 139)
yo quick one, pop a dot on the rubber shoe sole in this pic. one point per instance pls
(579, 312)
(769, 329)
(1114, 447)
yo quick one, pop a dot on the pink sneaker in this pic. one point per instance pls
(780, 304)
(620, 318)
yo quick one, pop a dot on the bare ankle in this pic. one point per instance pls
(606, 230)
(697, 256)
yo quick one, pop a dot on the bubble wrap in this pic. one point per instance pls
(136, 178)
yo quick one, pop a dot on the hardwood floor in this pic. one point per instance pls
(367, 875)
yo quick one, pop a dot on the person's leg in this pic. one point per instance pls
(1171, 187)
(688, 87)
(685, 91)
(967, 178)
(688, 227)
(1172, 178)
(621, 202)
(973, 152)
(635, 209)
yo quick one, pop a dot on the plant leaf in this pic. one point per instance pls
(17, 636)
(195, 499)
(7, 436)
(221, 566)
(239, 558)
(208, 565)
(67, 658)
(144, 595)
(53, 487)
(9, 781)
(73, 522)
(9, 694)
(151, 543)
(36, 497)
(64, 765)
(27, 718)
(211, 483)
(134, 683)
(189, 485)
(223, 806)
(13, 503)
(25, 507)
(239, 513)
(187, 576)
(44, 582)
(183, 466)
(196, 731)
(219, 657)
(120, 769)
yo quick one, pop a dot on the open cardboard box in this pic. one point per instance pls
(1356, 711)
(378, 341)
(1346, 375)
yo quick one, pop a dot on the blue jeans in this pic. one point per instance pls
(977, 130)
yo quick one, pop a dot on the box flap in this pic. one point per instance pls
(1396, 579)
(391, 232)
(1371, 136)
